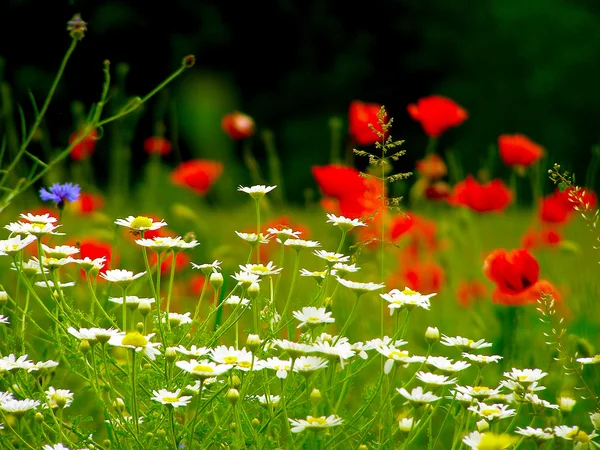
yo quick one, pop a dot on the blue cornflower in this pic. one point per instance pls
(60, 193)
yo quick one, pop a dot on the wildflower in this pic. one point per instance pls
(315, 423)
(38, 218)
(121, 277)
(96, 252)
(482, 359)
(406, 298)
(519, 150)
(581, 440)
(141, 223)
(245, 278)
(446, 365)
(281, 366)
(252, 238)
(161, 244)
(261, 269)
(14, 245)
(464, 343)
(88, 264)
(516, 275)
(537, 401)
(88, 203)
(518, 387)
(438, 190)
(311, 317)
(235, 300)
(538, 434)
(432, 335)
(566, 404)
(525, 376)
(86, 146)
(363, 122)
(407, 424)
(203, 369)
(343, 269)
(242, 359)
(487, 197)
(491, 412)
(308, 364)
(268, 400)
(238, 125)
(176, 319)
(339, 181)
(331, 257)
(283, 234)
(294, 349)
(208, 268)
(299, 244)
(477, 392)
(51, 284)
(19, 407)
(174, 399)
(60, 251)
(198, 175)
(344, 223)
(592, 360)
(132, 301)
(60, 193)
(137, 342)
(157, 145)
(4, 320)
(11, 362)
(432, 167)
(101, 335)
(59, 398)
(342, 350)
(256, 192)
(394, 354)
(417, 396)
(488, 441)
(437, 114)
(436, 380)
(36, 229)
(360, 288)
(58, 446)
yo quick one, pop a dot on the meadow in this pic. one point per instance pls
(181, 307)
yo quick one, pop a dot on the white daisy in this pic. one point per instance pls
(592, 360)
(436, 380)
(88, 263)
(208, 268)
(19, 407)
(193, 351)
(342, 350)
(235, 300)
(43, 366)
(311, 317)
(176, 319)
(478, 392)
(11, 362)
(344, 223)
(121, 277)
(203, 369)
(299, 244)
(538, 434)
(343, 269)
(53, 263)
(261, 269)
(52, 285)
(417, 396)
(95, 334)
(252, 238)
(245, 278)
(59, 398)
(60, 251)
(174, 399)
(492, 412)
(360, 288)
(294, 349)
(581, 440)
(45, 218)
(140, 223)
(268, 400)
(482, 359)
(308, 364)
(15, 244)
(407, 424)
(331, 257)
(535, 400)
(137, 342)
(283, 234)
(315, 423)
(464, 343)
(29, 268)
(256, 192)
(58, 446)
(132, 301)
(241, 359)
(518, 387)
(281, 366)
(318, 275)
(407, 299)
(446, 365)
(161, 244)
(395, 355)
(4, 319)
(525, 376)
(36, 229)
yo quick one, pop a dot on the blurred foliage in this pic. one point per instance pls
(516, 66)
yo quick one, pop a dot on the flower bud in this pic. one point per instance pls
(190, 236)
(144, 308)
(149, 435)
(77, 27)
(106, 443)
(233, 396)
(39, 417)
(189, 61)
(255, 423)
(85, 346)
(363, 447)
(233, 426)
(566, 404)
(483, 426)
(432, 335)
(235, 381)
(253, 342)
(253, 290)
(406, 424)
(315, 396)
(139, 327)
(216, 280)
(170, 354)
(161, 433)
(595, 418)
(3, 298)
(119, 404)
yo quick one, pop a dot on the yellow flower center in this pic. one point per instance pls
(14, 247)
(582, 437)
(522, 377)
(574, 432)
(38, 226)
(141, 222)
(470, 342)
(491, 441)
(230, 359)
(259, 269)
(203, 369)
(317, 421)
(480, 388)
(306, 366)
(170, 399)
(313, 319)
(244, 364)
(489, 412)
(409, 292)
(134, 339)
(397, 354)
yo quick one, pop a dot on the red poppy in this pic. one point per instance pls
(546, 237)
(432, 167)
(421, 234)
(197, 283)
(93, 249)
(519, 150)
(554, 208)
(436, 114)
(439, 190)
(238, 125)
(199, 175)
(424, 277)
(491, 196)
(516, 275)
(339, 181)
(471, 291)
(88, 203)
(583, 199)
(83, 149)
(360, 116)
(181, 261)
(157, 145)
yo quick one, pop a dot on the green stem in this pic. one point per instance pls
(349, 319)
(134, 393)
(171, 279)
(124, 290)
(257, 231)
(292, 286)
(206, 281)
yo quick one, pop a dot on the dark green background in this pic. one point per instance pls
(528, 66)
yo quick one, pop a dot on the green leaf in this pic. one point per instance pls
(562, 186)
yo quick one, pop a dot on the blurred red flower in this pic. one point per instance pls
(88, 203)
(516, 276)
(181, 261)
(424, 277)
(432, 167)
(439, 190)
(92, 248)
(545, 237)
(360, 116)
(199, 175)
(558, 206)
(470, 291)
(238, 125)
(519, 150)
(338, 181)
(86, 146)
(491, 196)
(437, 114)
(157, 145)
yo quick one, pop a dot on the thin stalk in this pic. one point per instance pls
(292, 286)
(171, 279)
(257, 230)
